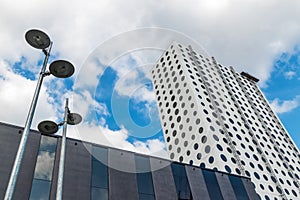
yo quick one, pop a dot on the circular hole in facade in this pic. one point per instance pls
(256, 175)
(202, 165)
(185, 143)
(174, 133)
(201, 130)
(204, 139)
(216, 138)
(223, 157)
(227, 168)
(183, 134)
(176, 141)
(211, 159)
(207, 149)
(196, 146)
(180, 159)
(172, 155)
(220, 148)
(199, 156)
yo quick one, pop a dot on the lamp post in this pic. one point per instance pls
(60, 69)
(50, 127)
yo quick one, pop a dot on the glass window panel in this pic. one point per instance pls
(146, 197)
(48, 143)
(145, 184)
(144, 177)
(99, 153)
(238, 188)
(142, 164)
(40, 190)
(181, 181)
(99, 194)
(44, 165)
(212, 184)
(99, 174)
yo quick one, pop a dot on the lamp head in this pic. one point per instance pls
(48, 127)
(37, 39)
(61, 68)
(74, 118)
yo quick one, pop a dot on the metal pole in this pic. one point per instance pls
(16, 167)
(59, 190)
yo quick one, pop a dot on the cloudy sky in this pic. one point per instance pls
(113, 45)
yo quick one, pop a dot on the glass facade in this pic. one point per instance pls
(43, 169)
(99, 189)
(181, 182)
(212, 185)
(238, 187)
(144, 178)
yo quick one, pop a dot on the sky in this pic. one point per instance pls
(113, 45)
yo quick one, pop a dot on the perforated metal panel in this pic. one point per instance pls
(215, 118)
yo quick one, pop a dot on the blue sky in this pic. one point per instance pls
(283, 90)
(113, 52)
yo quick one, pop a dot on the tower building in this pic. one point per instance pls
(216, 118)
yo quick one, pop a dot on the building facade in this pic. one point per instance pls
(215, 118)
(99, 173)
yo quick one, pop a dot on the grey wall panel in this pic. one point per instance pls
(23, 186)
(122, 177)
(77, 174)
(225, 186)
(163, 181)
(250, 188)
(10, 137)
(197, 183)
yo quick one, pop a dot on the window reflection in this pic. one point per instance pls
(48, 144)
(44, 165)
(99, 188)
(181, 181)
(43, 169)
(144, 178)
(40, 190)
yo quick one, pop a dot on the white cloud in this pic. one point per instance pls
(285, 106)
(289, 75)
(16, 95)
(84, 103)
(91, 132)
(151, 147)
(227, 29)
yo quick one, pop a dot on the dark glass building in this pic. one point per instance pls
(98, 172)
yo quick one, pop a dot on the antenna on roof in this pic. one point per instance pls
(248, 76)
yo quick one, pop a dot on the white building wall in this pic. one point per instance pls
(209, 117)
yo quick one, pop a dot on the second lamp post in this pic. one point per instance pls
(49, 127)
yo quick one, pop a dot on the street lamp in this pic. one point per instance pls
(60, 69)
(50, 127)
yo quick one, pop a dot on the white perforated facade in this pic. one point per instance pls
(216, 118)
